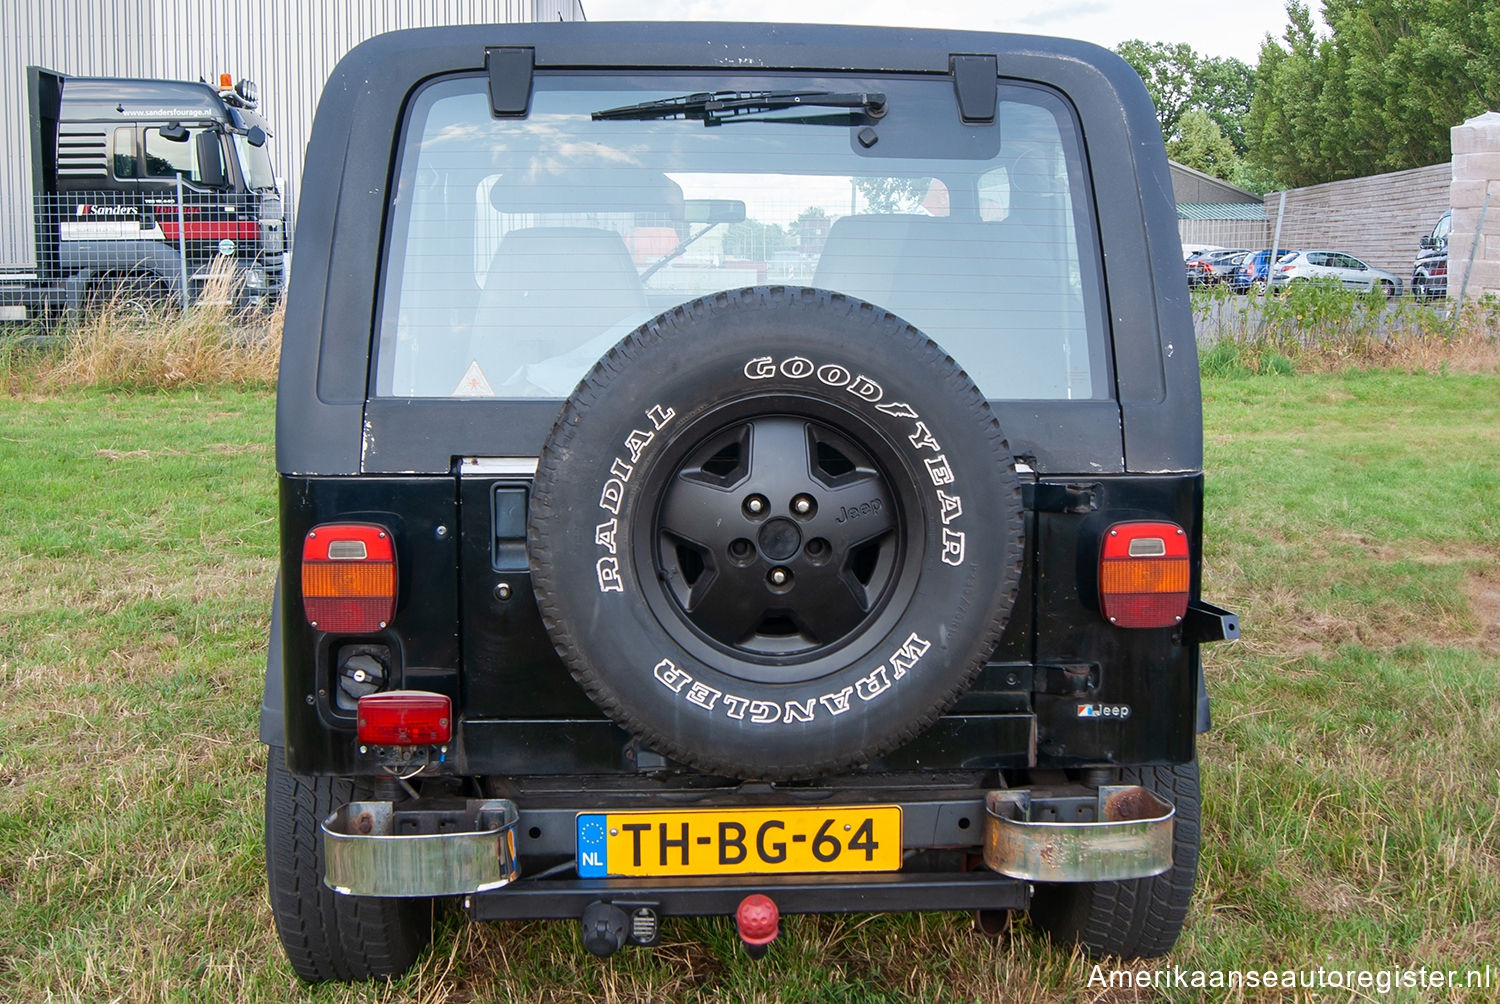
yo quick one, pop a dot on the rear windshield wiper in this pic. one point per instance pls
(714, 107)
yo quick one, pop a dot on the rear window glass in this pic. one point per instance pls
(520, 250)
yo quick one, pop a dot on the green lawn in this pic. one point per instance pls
(1352, 782)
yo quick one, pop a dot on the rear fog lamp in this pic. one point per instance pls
(348, 578)
(405, 718)
(1144, 573)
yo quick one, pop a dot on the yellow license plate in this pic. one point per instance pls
(865, 838)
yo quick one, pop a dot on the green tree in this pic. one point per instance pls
(1378, 92)
(1201, 145)
(755, 241)
(893, 195)
(1179, 80)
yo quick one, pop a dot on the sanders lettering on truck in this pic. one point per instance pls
(142, 188)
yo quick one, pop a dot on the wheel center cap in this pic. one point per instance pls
(779, 539)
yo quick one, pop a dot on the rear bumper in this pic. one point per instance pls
(475, 849)
(901, 892)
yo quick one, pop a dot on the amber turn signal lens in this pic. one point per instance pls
(348, 578)
(1144, 574)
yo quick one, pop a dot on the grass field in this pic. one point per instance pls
(1352, 782)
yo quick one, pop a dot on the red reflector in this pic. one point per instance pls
(1144, 574)
(348, 577)
(405, 718)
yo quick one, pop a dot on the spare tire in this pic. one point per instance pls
(775, 532)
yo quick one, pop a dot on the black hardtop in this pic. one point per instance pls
(120, 99)
(321, 412)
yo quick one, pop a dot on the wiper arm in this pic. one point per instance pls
(714, 107)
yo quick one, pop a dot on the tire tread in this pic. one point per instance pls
(328, 935)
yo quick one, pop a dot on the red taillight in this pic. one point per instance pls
(1144, 574)
(405, 718)
(348, 577)
(1286, 268)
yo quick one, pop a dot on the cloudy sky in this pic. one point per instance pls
(1215, 28)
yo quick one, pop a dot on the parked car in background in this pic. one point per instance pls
(1189, 250)
(1337, 266)
(1429, 273)
(1213, 267)
(1251, 271)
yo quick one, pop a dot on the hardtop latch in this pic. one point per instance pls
(974, 84)
(510, 80)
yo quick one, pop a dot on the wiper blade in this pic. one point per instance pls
(714, 107)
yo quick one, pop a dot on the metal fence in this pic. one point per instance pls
(165, 243)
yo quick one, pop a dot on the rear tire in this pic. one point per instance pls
(327, 935)
(1138, 918)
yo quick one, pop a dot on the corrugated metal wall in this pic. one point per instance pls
(288, 47)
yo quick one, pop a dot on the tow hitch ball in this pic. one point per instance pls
(758, 922)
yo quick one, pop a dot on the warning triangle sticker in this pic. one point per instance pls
(473, 383)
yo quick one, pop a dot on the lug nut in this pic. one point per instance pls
(779, 576)
(802, 505)
(755, 505)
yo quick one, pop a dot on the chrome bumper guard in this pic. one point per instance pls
(1129, 837)
(466, 850)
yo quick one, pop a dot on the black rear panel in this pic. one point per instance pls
(467, 625)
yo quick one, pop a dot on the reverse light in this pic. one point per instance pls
(348, 578)
(1144, 573)
(405, 718)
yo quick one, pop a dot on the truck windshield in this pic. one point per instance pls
(255, 164)
(520, 250)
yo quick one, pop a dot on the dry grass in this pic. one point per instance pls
(128, 345)
(1317, 329)
(1470, 351)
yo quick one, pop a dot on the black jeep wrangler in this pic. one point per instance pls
(734, 469)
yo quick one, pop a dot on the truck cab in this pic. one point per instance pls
(145, 187)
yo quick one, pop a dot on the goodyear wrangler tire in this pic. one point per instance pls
(775, 532)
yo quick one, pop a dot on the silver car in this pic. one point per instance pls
(1343, 268)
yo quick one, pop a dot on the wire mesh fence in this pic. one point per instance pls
(162, 244)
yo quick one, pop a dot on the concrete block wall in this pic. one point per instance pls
(1476, 172)
(1380, 218)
